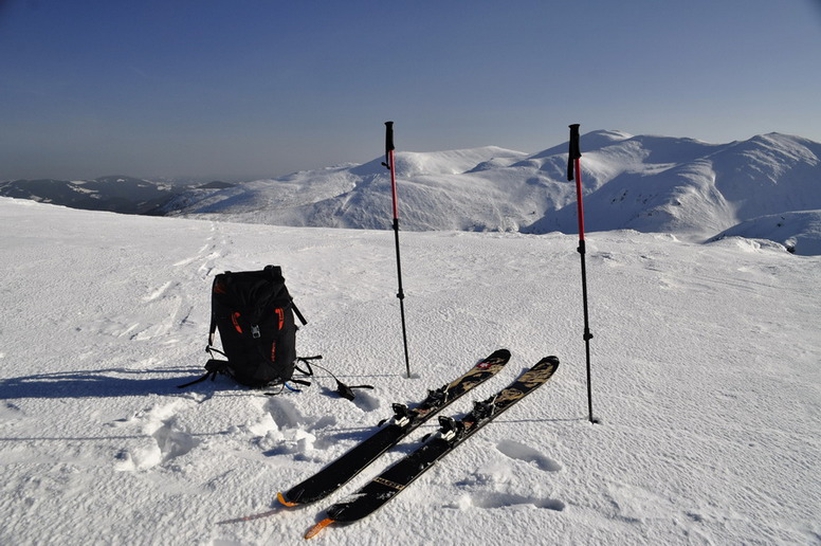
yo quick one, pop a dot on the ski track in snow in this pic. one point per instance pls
(705, 375)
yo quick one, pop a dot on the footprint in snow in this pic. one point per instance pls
(489, 500)
(284, 413)
(496, 485)
(290, 433)
(515, 450)
(10, 412)
(167, 441)
(159, 292)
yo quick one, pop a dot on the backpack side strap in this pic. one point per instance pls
(307, 361)
(212, 368)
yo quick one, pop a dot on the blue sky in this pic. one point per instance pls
(245, 89)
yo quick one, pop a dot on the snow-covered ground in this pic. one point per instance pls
(705, 375)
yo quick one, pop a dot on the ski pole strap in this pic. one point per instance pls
(346, 391)
(342, 389)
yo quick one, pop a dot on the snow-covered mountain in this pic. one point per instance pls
(122, 194)
(647, 183)
(694, 189)
(450, 190)
(691, 188)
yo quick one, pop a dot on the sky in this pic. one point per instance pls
(251, 89)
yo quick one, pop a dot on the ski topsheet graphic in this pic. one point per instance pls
(453, 432)
(405, 420)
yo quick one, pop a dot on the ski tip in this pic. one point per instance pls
(549, 361)
(313, 531)
(285, 502)
(498, 357)
(501, 353)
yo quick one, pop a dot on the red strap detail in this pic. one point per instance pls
(235, 321)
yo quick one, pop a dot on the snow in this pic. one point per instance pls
(648, 183)
(705, 374)
(800, 230)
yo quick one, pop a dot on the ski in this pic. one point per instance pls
(452, 432)
(404, 421)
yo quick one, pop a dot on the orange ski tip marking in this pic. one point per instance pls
(313, 531)
(285, 502)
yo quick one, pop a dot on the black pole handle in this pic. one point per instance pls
(389, 147)
(389, 137)
(574, 152)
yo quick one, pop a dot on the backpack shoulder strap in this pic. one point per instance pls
(275, 273)
(298, 314)
(213, 327)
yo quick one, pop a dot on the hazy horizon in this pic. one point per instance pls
(257, 90)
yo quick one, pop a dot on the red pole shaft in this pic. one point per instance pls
(575, 172)
(391, 166)
(579, 204)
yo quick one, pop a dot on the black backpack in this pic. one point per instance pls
(254, 314)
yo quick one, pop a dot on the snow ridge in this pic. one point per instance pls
(691, 188)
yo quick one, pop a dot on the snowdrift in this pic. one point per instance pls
(799, 232)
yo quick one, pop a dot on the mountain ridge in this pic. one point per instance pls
(649, 183)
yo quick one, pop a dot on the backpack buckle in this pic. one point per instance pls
(255, 331)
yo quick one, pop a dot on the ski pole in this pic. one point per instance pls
(391, 165)
(574, 171)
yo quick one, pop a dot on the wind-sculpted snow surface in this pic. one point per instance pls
(704, 367)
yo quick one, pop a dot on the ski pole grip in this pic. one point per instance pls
(574, 151)
(389, 137)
